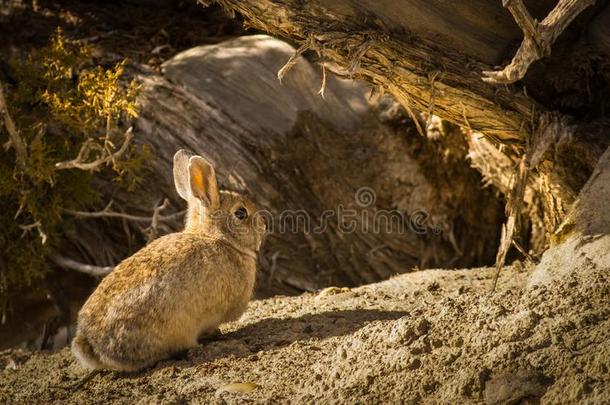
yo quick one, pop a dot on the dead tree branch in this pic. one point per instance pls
(36, 225)
(96, 271)
(107, 213)
(537, 37)
(89, 146)
(151, 231)
(15, 139)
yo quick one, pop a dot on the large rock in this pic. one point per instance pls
(582, 243)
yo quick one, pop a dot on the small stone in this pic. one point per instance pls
(433, 286)
(414, 364)
(450, 358)
(239, 387)
(422, 327)
(401, 333)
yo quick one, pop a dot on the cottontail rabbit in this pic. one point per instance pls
(160, 300)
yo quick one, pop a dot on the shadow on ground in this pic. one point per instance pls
(274, 333)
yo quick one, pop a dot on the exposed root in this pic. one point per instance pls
(552, 129)
(513, 209)
(322, 90)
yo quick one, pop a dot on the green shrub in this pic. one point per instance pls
(62, 107)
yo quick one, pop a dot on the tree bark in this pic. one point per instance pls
(430, 57)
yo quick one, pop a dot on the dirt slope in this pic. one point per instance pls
(435, 336)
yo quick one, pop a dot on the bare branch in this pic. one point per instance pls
(537, 37)
(36, 225)
(107, 213)
(522, 16)
(96, 271)
(95, 38)
(152, 229)
(15, 139)
(308, 44)
(87, 148)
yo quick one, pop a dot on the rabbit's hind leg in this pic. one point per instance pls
(94, 355)
(83, 351)
(123, 364)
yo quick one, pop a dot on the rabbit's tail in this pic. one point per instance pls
(94, 360)
(83, 351)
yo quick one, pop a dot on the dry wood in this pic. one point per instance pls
(15, 139)
(107, 213)
(90, 145)
(537, 37)
(425, 74)
(402, 68)
(70, 264)
(513, 209)
(552, 129)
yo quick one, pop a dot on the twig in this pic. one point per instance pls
(322, 91)
(95, 38)
(537, 37)
(88, 146)
(308, 44)
(361, 50)
(521, 250)
(15, 139)
(154, 222)
(36, 225)
(96, 271)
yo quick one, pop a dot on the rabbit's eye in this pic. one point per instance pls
(241, 213)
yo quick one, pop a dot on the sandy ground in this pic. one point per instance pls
(433, 336)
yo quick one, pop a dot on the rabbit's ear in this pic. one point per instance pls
(181, 173)
(202, 178)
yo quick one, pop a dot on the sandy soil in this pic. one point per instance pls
(432, 336)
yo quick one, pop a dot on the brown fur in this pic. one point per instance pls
(160, 300)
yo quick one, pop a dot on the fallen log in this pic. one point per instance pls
(430, 57)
